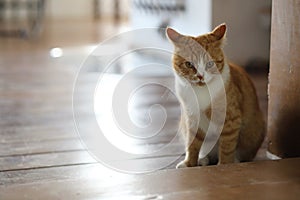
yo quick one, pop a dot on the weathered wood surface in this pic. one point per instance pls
(284, 89)
(259, 180)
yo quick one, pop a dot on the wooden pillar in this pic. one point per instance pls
(284, 87)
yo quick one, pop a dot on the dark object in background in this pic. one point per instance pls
(257, 65)
(21, 18)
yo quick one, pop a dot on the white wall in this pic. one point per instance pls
(182, 22)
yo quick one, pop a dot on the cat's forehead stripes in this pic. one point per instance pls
(190, 49)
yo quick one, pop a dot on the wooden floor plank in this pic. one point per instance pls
(31, 133)
(23, 148)
(259, 180)
(61, 173)
(44, 170)
(59, 157)
(26, 162)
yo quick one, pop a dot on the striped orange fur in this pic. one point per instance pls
(196, 61)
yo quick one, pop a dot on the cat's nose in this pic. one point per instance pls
(200, 76)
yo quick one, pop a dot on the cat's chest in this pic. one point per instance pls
(193, 98)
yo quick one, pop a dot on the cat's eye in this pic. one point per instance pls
(209, 64)
(189, 64)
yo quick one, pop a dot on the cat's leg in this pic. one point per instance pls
(228, 140)
(251, 137)
(193, 145)
(227, 148)
(211, 158)
(194, 138)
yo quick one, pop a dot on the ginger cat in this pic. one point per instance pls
(196, 62)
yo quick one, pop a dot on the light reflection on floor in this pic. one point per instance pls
(149, 112)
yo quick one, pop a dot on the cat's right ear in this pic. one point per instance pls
(173, 35)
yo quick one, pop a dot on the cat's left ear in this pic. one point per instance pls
(219, 33)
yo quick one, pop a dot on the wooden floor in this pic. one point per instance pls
(43, 157)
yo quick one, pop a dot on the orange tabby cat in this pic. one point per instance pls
(196, 62)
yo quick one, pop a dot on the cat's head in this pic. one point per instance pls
(198, 59)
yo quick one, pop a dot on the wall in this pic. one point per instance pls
(247, 36)
(183, 21)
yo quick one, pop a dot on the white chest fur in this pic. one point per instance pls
(192, 97)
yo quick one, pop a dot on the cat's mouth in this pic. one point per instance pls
(197, 79)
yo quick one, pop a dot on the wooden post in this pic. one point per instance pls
(284, 87)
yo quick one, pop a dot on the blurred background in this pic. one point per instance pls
(52, 23)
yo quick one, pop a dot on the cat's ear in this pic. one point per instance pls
(219, 32)
(173, 35)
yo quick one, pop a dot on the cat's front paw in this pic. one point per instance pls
(182, 164)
